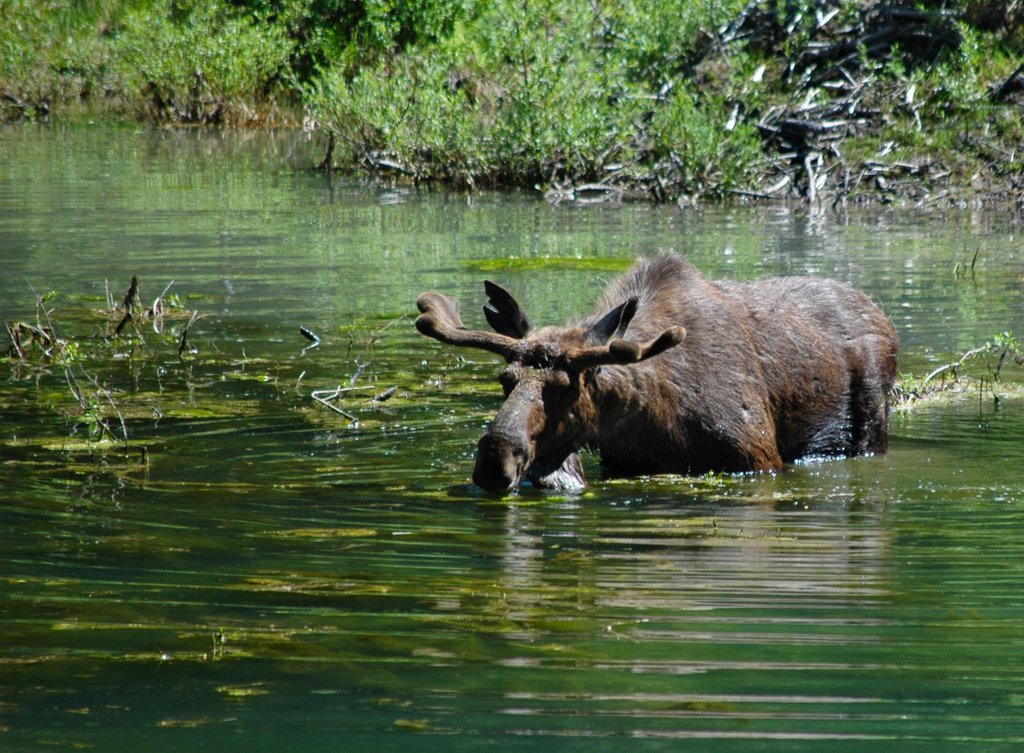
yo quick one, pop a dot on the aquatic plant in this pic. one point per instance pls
(37, 347)
(975, 370)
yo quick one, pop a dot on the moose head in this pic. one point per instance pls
(552, 406)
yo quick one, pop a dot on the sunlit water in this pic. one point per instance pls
(272, 576)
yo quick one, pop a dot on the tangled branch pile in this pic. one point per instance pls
(885, 84)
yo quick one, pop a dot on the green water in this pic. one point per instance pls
(272, 576)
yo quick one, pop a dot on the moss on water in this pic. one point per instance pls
(323, 533)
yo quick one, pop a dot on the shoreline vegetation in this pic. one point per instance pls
(822, 101)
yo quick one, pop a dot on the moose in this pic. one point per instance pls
(675, 373)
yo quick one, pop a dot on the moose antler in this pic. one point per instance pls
(619, 351)
(504, 313)
(441, 320)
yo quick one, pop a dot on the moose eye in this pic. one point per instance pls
(508, 379)
(560, 379)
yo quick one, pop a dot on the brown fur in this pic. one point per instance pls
(768, 372)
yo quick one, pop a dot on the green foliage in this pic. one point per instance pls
(407, 114)
(193, 62)
(527, 101)
(51, 51)
(353, 33)
(707, 153)
(561, 101)
(669, 97)
(659, 40)
(542, 92)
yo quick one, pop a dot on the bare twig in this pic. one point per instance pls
(954, 365)
(348, 416)
(156, 312)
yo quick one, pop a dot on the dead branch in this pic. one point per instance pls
(1013, 83)
(325, 398)
(327, 164)
(954, 366)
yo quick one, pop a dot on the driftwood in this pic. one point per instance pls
(585, 193)
(838, 92)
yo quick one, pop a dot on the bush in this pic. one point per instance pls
(539, 95)
(200, 64)
(351, 34)
(50, 52)
(406, 116)
(706, 149)
(660, 40)
(667, 96)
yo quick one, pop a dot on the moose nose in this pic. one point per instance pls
(500, 463)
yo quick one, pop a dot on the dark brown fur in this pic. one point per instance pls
(765, 373)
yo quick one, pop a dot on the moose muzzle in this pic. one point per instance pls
(501, 463)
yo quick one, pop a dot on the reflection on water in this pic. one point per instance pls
(276, 577)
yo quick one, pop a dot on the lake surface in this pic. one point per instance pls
(252, 571)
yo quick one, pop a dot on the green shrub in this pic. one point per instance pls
(354, 33)
(51, 51)
(531, 99)
(659, 40)
(705, 152)
(528, 101)
(200, 63)
(663, 95)
(406, 114)
(564, 106)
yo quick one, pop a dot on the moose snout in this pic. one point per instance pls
(500, 463)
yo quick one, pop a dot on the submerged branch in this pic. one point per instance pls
(37, 346)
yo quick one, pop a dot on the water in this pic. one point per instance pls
(270, 575)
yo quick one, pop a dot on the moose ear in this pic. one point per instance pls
(614, 323)
(503, 313)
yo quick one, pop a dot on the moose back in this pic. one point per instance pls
(677, 373)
